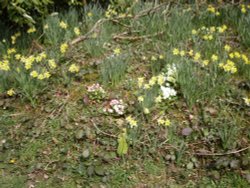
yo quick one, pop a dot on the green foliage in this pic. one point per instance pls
(122, 143)
(23, 12)
(113, 69)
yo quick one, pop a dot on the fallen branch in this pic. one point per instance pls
(134, 38)
(221, 154)
(151, 10)
(86, 36)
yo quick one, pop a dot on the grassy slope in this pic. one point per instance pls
(53, 134)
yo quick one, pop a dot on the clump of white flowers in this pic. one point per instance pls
(115, 106)
(170, 77)
(168, 91)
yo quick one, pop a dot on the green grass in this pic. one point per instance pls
(55, 133)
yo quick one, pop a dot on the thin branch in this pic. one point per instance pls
(86, 36)
(134, 38)
(221, 154)
(107, 134)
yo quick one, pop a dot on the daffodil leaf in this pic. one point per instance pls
(122, 145)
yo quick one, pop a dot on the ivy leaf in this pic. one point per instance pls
(122, 144)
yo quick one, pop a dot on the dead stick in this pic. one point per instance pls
(133, 38)
(221, 154)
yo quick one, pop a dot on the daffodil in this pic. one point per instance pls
(74, 68)
(34, 74)
(140, 98)
(77, 31)
(117, 51)
(63, 25)
(176, 51)
(64, 47)
(52, 63)
(31, 30)
(131, 121)
(11, 92)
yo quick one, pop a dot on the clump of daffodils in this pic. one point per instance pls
(131, 121)
(40, 76)
(110, 12)
(213, 10)
(115, 106)
(208, 33)
(4, 65)
(229, 66)
(244, 8)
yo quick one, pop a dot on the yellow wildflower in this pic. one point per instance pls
(132, 122)
(34, 74)
(158, 99)
(117, 51)
(161, 56)
(227, 48)
(194, 32)
(52, 63)
(153, 58)
(182, 53)
(191, 53)
(64, 47)
(74, 68)
(176, 51)
(77, 31)
(140, 82)
(197, 56)
(214, 57)
(160, 79)
(11, 92)
(247, 101)
(205, 62)
(63, 25)
(153, 81)
(146, 111)
(40, 77)
(31, 30)
(46, 74)
(140, 99)
(89, 14)
(237, 54)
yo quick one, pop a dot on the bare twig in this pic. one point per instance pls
(134, 38)
(107, 134)
(86, 36)
(151, 10)
(221, 154)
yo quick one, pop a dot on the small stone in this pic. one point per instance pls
(79, 134)
(186, 131)
(190, 166)
(86, 153)
(234, 164)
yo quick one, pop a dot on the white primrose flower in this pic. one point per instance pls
(168, 92)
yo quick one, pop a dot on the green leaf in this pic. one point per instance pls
(122, 144)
